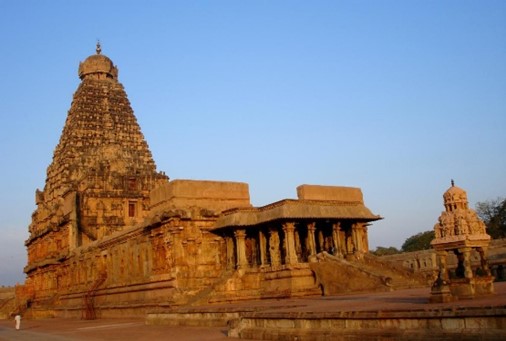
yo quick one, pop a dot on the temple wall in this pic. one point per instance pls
(174, 262)
(178, 256)
(146, 266)
(425, 260)
(49, 247)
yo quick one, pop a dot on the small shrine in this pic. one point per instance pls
(460, 231)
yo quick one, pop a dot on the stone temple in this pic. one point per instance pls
(112, 236)
(460, 231)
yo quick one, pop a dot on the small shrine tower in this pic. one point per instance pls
(460, 231)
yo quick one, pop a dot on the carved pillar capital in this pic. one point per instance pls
(240, 234)
(311, 226)
(357, 225)
(288, 227)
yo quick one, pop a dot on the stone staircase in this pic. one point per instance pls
(401, 277)
(337, 276)
(235, 285)
(203, 296)
(89, 312)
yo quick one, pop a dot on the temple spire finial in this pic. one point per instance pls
(99, 48)
(453, 183)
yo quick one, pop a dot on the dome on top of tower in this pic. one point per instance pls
(98, 66)
(455, 195)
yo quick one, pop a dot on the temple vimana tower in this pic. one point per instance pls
(112, 236)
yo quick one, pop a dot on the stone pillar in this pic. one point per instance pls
(230, 252)
(263, 248)
(365, 238)
(484, 262)
(468, 270)
(356, 233)
(274, 247)
(298, 246)
(440, 290)
(443, 267)
(291, 255)
(311, 240)
(240, 239)
(348, 242)
(321, 241)
(336, 228)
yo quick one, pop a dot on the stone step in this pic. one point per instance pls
(192, 319)
(462, 325)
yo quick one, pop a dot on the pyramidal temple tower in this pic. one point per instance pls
(102, 170)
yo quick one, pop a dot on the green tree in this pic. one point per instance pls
(420, 241)
(493, 214)
(383, 251)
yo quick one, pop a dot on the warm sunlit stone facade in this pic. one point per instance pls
(460, 231)
(113, 236)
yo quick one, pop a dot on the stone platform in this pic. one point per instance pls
(397, 315)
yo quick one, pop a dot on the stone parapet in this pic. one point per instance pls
(332, 193)
(213, 195)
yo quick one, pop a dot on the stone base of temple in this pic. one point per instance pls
(462, 288)
(470, 288)
(327, 275)
(134, 300)
(119, 301)
(261, 283)
(441, 294)
(484, 285)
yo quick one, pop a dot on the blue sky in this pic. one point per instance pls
(395, 97)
